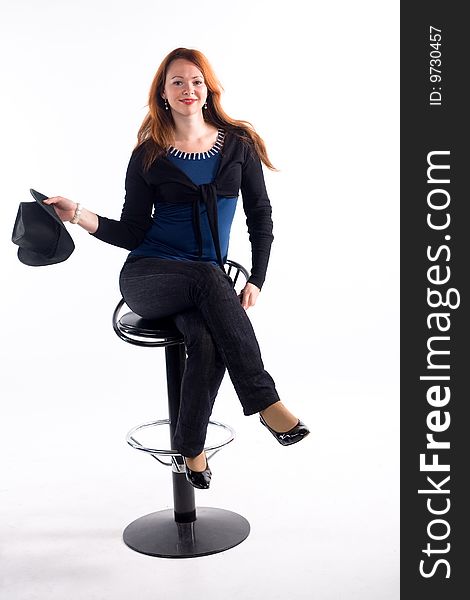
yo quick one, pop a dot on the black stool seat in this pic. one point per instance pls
(134, 329)
(156, 328)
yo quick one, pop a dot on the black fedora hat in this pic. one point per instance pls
(40, 233)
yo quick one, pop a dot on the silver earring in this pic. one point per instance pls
(205, 105)
(166, 105)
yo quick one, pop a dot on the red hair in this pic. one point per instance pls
(158, 126)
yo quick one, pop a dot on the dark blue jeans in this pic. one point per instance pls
(217, 331)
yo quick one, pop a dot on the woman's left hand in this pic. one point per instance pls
(248, 295)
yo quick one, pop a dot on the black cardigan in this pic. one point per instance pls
(239, 169)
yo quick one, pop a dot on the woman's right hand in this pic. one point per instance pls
(64, 207)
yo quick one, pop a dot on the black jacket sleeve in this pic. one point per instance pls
(136, 215)
(258, 211)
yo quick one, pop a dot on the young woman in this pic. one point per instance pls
(189, 164)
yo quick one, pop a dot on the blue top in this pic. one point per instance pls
(171, 234)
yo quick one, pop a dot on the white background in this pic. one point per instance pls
(319, 81)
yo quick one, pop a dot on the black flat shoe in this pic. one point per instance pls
(286, 438)
(198, 479)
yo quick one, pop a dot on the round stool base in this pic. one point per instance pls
(214, 530)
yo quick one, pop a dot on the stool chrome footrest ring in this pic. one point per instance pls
(178, 466)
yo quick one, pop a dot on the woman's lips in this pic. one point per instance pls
(187, 101)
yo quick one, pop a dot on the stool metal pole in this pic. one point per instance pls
(183, 492)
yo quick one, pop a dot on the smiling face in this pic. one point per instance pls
(185, 90)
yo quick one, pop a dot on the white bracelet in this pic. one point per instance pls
(76, 216)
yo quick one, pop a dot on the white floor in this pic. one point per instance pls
(323, 513)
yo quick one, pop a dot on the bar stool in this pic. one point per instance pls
(184, 531)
